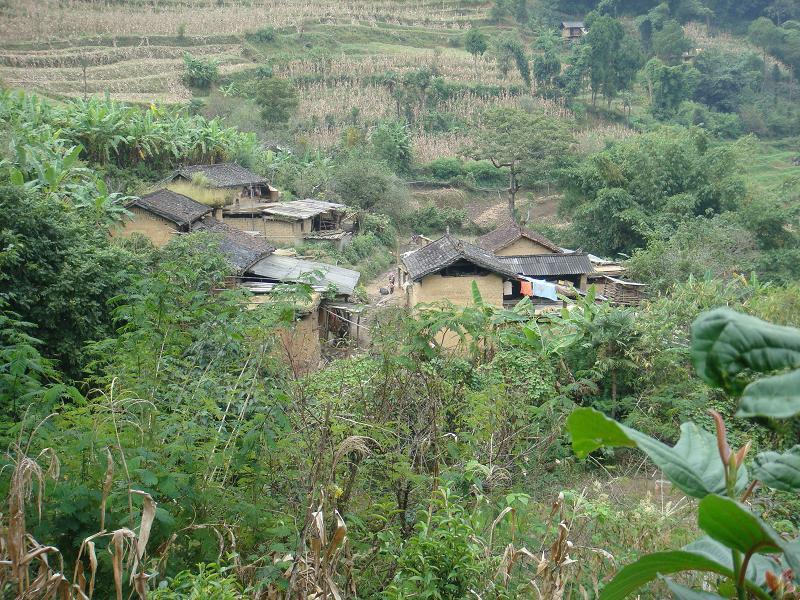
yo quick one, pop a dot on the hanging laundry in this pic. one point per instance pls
(544, 289)
(526, 288)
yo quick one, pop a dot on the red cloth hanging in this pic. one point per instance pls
(526, 288)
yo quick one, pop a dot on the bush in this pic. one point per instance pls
(432, 219)
(265, 35)
(485, 173)
(199, 73)
(444, 169)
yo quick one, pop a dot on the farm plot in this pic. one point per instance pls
(45, 20)
(137, 73)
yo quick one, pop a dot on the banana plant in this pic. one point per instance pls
(729, 350)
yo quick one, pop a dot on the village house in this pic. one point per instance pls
(573, 30)
(161, 215)
(241, 184)
(515, 240)
(292, 223)
(445, 270)
(165, 213)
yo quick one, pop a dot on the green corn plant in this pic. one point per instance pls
(729, 350)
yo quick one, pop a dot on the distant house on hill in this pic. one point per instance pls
(241, 182)
(573, 30)
(293, 222)
(161, 215)
(445, 270)
(513, 239)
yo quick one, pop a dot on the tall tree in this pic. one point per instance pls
(669, 43)
(531, 146)
(508, 48)
(614, 57)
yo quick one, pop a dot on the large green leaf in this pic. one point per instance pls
(733, 525)
(704, 555)
(725, 344)
(777, 397)
(649, 567)
(680, 592)
(693, 464)
(779, 471)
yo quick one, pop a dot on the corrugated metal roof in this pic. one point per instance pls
(572, 24)
(299, 209)
(444, 252)
(295, 270)
(172, 206)
(548, 265)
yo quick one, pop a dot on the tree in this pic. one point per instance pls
(277, 99)
(764, 34)
(546, 67)
(391, 143)
(475, 43)
(614, 57)
(367, 183)
(670, 86)
(508, 48)
(530, 146)
(669, 42)
(59, 273)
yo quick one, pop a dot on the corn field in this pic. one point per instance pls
(32, 20)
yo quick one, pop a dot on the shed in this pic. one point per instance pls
(161, 214)
(321, 276)
(573, 268)
(513, 239)
(293, 222)
(620, 291)
(573, 30)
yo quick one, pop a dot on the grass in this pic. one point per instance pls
(771, 165)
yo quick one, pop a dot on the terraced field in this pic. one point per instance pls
(134, 50)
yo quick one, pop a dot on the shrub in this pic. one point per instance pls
(199, 73)
(265, 35)
(432, 219)
(445, 169)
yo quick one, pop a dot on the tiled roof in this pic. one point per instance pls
(548, 265)
(508, 234)
(444, 252)
(223, 175)
(174, 207)
(241, 249)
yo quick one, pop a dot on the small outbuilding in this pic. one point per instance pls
(160, 215)
(291, 223)
(573, 30)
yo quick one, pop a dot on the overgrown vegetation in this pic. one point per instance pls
(159, 443)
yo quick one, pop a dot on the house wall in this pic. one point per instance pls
(300, 344)
(158, 229)
(277, 232)
(457, 290)
(523, 247)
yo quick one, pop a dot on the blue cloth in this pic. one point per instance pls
(544, 289)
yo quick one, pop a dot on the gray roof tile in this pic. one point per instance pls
(174, 207)
(444, 252)
(548, 265)
(510, 233)
(223, 174)
(241, 249)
